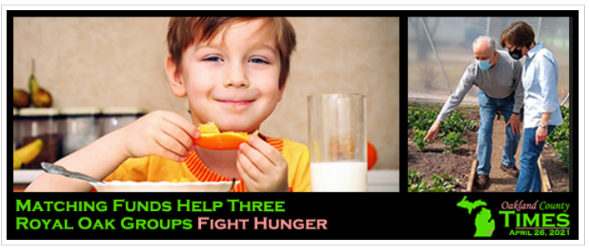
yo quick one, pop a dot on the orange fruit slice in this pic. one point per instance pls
(212, 138)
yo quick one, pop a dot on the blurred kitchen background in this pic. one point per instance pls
(103, 73)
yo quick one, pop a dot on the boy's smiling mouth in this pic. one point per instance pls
(235, 102)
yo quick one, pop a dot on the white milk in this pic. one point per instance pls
(339, 177)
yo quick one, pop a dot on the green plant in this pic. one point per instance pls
(559, 133)
(442, 183)
(472, 125)
(421, 119)
(562, 149)
(453, 141)
(455, 122)
(559, 137)
(415, 184)
(413, 177)
(565, 113)
(418, 139)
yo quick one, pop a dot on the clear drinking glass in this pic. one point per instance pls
(337, 142)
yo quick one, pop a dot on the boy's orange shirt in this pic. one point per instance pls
(155, 168)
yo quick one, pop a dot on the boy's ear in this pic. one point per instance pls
(175, 78)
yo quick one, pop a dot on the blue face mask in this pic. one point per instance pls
(485, 64)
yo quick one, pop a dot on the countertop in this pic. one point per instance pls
(378, 180)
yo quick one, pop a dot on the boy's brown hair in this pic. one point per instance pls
(518, 33)
(186, 31)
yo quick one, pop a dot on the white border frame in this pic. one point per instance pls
(549, 244)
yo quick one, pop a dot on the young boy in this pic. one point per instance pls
(233, 71)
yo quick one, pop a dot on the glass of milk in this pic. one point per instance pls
(337, 142)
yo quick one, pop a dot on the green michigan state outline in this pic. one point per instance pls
(483, 222)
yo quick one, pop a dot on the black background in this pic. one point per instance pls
(350, 216)
(358, 216)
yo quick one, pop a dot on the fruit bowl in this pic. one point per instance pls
(164, 186)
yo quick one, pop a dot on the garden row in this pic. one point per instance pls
(439, 183)
(451, 131)
(455, 128)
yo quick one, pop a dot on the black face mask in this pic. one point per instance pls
(516, 54)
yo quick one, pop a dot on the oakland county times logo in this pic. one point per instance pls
(484, 223)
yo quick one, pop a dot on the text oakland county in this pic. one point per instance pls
(129, 223)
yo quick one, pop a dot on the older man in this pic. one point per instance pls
(498, 77)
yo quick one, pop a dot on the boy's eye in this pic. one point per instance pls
(213, 59)
(258, 61)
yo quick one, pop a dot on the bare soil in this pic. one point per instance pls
(557, 171)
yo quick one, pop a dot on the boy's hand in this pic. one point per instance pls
(161, 133)
(262, 167)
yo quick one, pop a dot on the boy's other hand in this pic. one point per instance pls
(262, 167)
(161, 133)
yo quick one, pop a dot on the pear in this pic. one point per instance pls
(39, 96)
(42, 98)
(20, 98)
